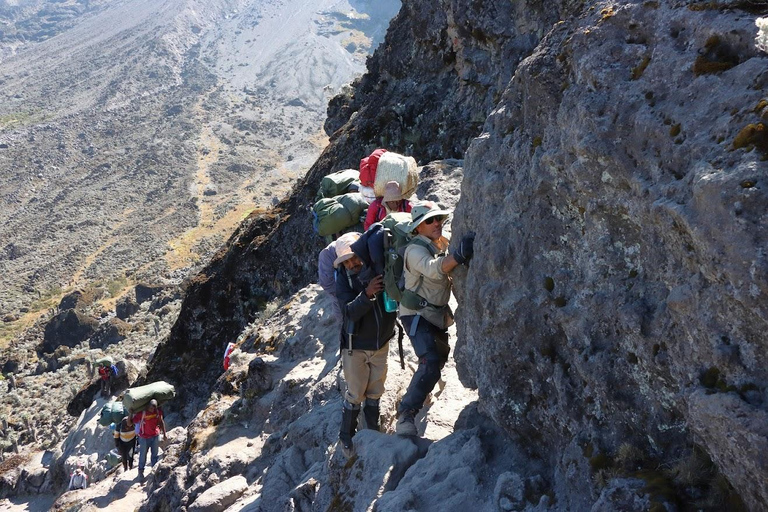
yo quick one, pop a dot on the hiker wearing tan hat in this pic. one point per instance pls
(326, 270)
(391, 201)
(424, 308)
(366, 330)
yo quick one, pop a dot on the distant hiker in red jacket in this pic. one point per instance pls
(392, 201)
(150, 423)
(105, 372)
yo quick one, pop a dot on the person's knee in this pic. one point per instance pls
(432, 366)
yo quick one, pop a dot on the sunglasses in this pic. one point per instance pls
(439, 219)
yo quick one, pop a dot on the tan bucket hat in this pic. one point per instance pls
(344, 247)
(392, 192)
(423, 211)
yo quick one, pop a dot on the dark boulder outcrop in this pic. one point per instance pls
(126, 307)
(11, 366)
(110, 332)
(68, 328)
(79, 299)
(145, 292)
(163, 298)
(83, 398)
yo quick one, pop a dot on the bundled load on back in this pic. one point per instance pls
(112, 412)
(113, 458)
(368, 168)
(397, 168)
(105, 361)
(335, 214)
(136, 399)
(338, 183)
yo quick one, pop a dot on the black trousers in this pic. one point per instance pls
(127, 451)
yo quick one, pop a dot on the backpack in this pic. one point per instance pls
(396, 239)
(334, 214)
(337, 183)
(114, 370)
(368, 166)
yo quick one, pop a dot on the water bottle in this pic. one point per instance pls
(390, 305)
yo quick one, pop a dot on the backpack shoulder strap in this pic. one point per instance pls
(422, 243)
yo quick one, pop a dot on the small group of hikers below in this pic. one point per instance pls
(367, 325)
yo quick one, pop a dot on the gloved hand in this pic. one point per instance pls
(466, 249)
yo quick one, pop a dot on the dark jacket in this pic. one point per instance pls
(370, 249)
(371, 326)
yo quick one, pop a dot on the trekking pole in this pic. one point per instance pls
(400, 334)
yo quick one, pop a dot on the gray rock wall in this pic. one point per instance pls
(620, 202)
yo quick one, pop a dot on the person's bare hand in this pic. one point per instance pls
(375, 286)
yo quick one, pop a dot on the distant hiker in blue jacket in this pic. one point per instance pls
(366, 331)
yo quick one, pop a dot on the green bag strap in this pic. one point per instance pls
(422, 302)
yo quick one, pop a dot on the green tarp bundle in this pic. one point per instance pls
(136, 399)
(105, 361)
(337, 183)
(113, 458)
(112, 412)
(335, 214)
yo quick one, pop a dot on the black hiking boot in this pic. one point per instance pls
(348, 427)
(406, 425)
(371, 413)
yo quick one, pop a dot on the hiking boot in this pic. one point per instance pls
(406, 425)
(348, 427)
(141, 477)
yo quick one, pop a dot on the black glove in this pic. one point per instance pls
(466, 249)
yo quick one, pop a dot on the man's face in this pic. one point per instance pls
(354, 264)
(432, 228)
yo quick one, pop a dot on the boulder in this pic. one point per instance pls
(219, 497)
(11, 366)
(144, 292)
(79, 299)
(68, 328)
(126, 307)
(83, 399)
(167, 296)
(109, 333)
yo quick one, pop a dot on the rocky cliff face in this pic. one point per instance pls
(612, 319)
(618, 294)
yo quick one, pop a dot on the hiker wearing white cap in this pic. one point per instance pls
(366, 331)
(326, 271)
(424, 308)
(391, 201)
